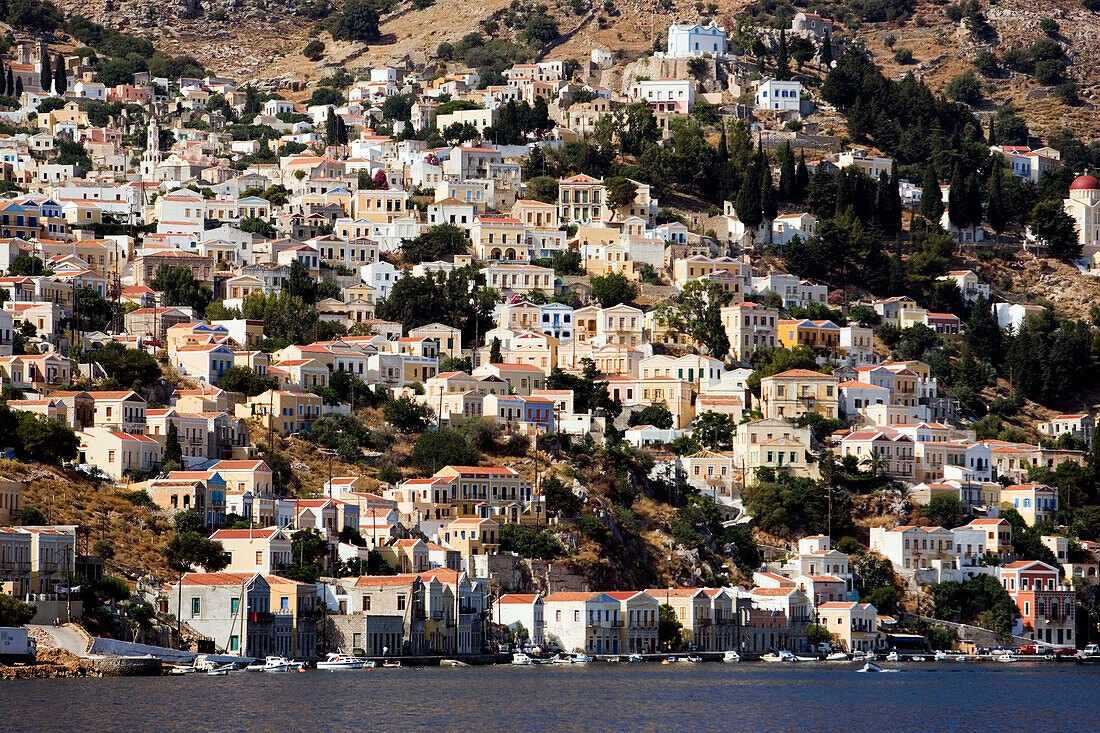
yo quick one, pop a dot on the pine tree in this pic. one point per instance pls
(801, 178)
(827, 52)
(45, 75)
(982, 332)
(782, 58)
(931, 203)
(61, 77)
(788, 180)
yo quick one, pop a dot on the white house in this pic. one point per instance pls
(773, 94)
(522, 609)
(665, 95)
(381, 276)
(695, 40)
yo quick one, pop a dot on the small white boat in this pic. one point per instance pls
(941, 656)
(783, 656)
(394, 664)
(731, 656)
(635, 658)
(872, 667)
(1007, 658)
(893, 657)
(806, 659)
(580, 659)
(522, 660)
(182, 670)
(218, 671)
(370, 664)
(671, 660)
(456, 663)
(277, 664)
(962, 658)
(336, 662)
(837, 657)
(694, 660)
(917, 658)
(614, 660)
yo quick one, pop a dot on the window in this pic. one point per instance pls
(401, 602)
(366, 603)
(234, 642)
(196, 607)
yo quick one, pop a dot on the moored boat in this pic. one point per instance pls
(580, 659)
(635, 658)
(392, 664)
(783, 656)
(893, 657)
(340, 662)
(941, 656)
(276, 664)
(731, 656)
(837, 657)
(522, 660)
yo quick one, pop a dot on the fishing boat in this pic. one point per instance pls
(182, 670)
(522, 660)
(837, 657)
(340, 662)
(670, 660)
(614, 660)
(806, 659)
(893, 657)
(276, 664)
(1007, 658)
(941, 656)
(391, 664)
(694, 659)
(635, 658)
(783, 656)
(370, 664)
(218, 671)
(731, 656)
(962, 658)
(872, 667)
(256, 666)
(917, 658)
(580, 659)
(456, 663)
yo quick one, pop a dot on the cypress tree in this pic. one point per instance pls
(992, 131)
(788, 180)
(5, 74)
(931, 203)
(982, 332)
(973, 200)
(892, 220)
(341, 130)
(723, 149)
(60, 78)
(45, 75)
(748, 201)
(330, 128)
(769, 207)
(782, 59)
(827, 51)
(995, 209)
(801, 178)
(18, 87)
(883, 215)
(957, 209)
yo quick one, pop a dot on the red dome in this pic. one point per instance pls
(1084, 183)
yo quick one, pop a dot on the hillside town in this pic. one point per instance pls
(408, 364)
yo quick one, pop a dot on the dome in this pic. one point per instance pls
(1084, 183)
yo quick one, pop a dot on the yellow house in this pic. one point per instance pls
(299, 601)
(252, 476)
(853, 625)
(448, 339)
(521, 378)
(473, 536)
(499, 238)
(119, 454)
(795, 392)
(380, 206)
(1034, 502)
(285, 412)
(11, 501)
(815, 334)
(70, 113)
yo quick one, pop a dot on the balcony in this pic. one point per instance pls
(260, 617)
